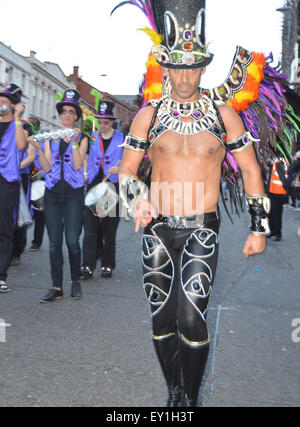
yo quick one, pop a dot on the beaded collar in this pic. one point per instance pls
(202, 112)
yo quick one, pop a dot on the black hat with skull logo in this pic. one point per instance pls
(106, 110)
(71, 98)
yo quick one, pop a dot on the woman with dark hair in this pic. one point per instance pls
(64, 196)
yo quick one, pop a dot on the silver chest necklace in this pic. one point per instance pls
(202, 112)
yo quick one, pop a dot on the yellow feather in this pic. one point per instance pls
(155, 37)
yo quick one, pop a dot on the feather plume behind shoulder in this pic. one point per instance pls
(269, 110)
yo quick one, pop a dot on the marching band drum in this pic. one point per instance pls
(37, 194)
(102, 199)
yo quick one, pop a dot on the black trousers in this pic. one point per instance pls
(9, 197)
(179, 270)
(39, 227)
(275, 216)
(99, 240)
(63, 216)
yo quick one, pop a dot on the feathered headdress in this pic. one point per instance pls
(259, 93)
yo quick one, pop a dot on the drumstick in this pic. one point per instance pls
(107, 176)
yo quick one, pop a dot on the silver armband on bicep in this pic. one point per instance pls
(239, 144)
(131, 190)
(135, 143)
(259, 208)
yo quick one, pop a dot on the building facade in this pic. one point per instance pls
(124, 110)
(39, 81)
(290, 61)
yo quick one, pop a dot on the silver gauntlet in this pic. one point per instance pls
(259, 208)
(130, 190)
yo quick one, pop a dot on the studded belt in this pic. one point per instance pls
(183, 222)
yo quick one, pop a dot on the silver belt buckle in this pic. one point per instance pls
(176, 222)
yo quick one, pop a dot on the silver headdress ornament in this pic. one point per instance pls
(181, 25)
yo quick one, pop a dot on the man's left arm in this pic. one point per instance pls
(243, 151)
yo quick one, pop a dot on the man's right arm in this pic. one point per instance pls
(132, 158)
(133, 155)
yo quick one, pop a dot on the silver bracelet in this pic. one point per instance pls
(130, 190)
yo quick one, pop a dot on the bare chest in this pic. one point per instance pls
(171, 145)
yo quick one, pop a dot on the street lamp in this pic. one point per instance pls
(103, 75)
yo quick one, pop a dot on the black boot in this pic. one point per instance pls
(186, 402)
(76, 292)
(167, 352)
(175, 397)
(193, 362)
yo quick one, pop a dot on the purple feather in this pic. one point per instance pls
(232, 161)
(144, 5)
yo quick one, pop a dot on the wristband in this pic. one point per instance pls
(18, 123)
(76, 146)
(259, 208)
(130, 190)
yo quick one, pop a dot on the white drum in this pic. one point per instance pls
(37, 195)
(102, 199)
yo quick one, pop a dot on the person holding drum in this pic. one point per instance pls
(12, 140)
(62, 160)
(100, 226)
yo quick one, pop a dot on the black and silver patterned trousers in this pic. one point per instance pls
(179, 269)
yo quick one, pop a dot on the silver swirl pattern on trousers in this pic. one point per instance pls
(196, 274)
(159, 276)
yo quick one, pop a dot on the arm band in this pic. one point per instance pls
(259, 208)
(241, 143)
(135, 143)
(130, 190)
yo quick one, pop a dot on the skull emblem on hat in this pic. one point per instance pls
(103, 108)
(70, 94)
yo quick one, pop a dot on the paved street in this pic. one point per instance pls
(98, 351)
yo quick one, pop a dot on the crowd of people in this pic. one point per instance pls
(60, 171)
(180, 253)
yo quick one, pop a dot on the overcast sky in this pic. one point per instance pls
(82, 33)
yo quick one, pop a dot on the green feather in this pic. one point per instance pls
(293, 122)
(59, 97)
(98, 96)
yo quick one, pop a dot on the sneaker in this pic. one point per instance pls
(15, 262)
(34, 247)
(53, 295)
(86, 272)
(76, 292)
(3, 287)
(106, 272)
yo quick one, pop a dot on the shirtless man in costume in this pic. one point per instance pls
(186, 144)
